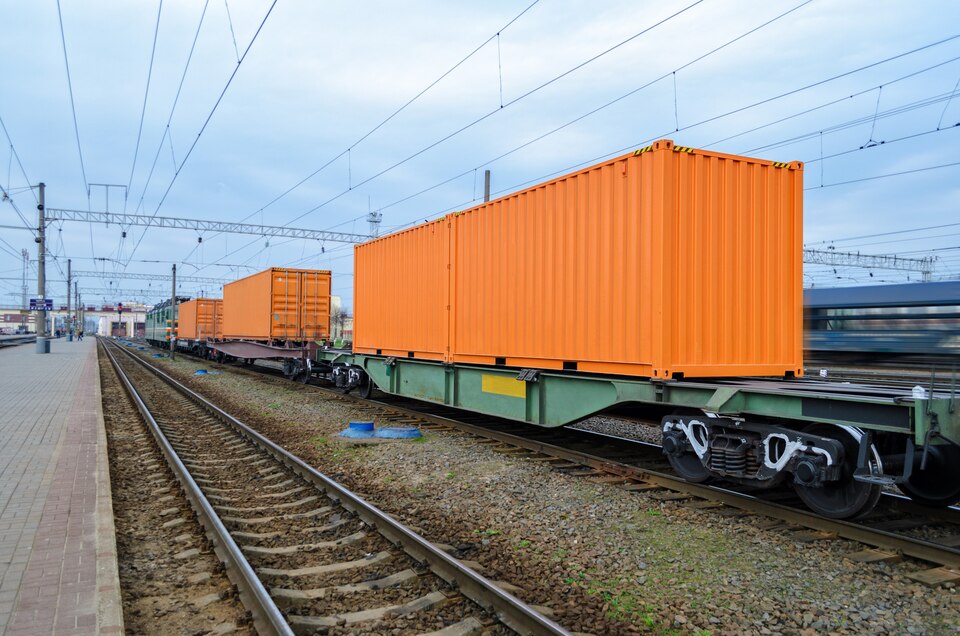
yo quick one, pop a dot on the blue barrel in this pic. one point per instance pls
(358, 430)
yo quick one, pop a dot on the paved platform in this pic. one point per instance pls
(58, 565)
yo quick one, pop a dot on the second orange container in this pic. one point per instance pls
(200, 319)
(278, 304)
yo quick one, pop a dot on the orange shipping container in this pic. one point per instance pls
(200, 319)
(278, 304)
(401, 299)
(668, 261)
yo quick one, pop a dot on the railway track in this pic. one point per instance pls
(305, 553)
(897, 528)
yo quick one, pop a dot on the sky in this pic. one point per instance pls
(312, 114)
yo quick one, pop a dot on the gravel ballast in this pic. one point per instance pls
(604, 560)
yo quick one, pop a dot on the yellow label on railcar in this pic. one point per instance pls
(503, 386)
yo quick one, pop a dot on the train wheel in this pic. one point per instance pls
(366, 388)
(689, 466)
(939, 484)
(844, 498)
(304, 374)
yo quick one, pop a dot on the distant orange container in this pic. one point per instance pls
(400, 296)
(665, 262)
(200, 319)
(278, 304)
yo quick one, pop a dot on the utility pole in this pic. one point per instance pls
(69, 323)
(43, 345)
(486, 186)
(26, 265)
(23, 289)
(374, 219)
(173, 315)
(76, 294)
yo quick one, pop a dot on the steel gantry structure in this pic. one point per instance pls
(163, 277)
(871, 261)
(201, 225)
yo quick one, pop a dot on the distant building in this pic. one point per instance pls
(100, 319)
(341, 325)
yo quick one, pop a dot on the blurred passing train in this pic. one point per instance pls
(883, 321)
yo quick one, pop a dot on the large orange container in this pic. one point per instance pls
(278, 304)
(665, 262)
(400, 295)
(200, 319)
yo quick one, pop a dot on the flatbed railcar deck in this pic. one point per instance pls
(839, 444)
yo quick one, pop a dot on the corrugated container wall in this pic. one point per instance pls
(201, 319)
(400, 296)
(278, 304)
(666, 261)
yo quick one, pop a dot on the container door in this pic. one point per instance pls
(285, 322)
(315, 305)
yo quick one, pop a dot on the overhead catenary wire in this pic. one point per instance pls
(76, 127)
(348, 150)
(473, 170)
(947, 105)
(832, 102)
(206, 122)
(899, 110)
(608, 104)
(648, 140)
(619, 151)
(509, 103)
(892, 233)
(883, 176)
(73, 105)
(738, 110)
(146, 93)
(16, 156)
(9, 199)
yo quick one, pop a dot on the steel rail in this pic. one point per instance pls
(511, 611)
(266, 615)
(917, 548)
(897, 501)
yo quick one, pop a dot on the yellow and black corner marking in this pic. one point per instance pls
(781, 164)
(683, 149)
(643, 150)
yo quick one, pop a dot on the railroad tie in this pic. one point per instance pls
(306, 547)
(936, 576)
(307, 624)
(467, 627)
(342, 566)
(295, 515)
(871, 555)
(289, 597)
